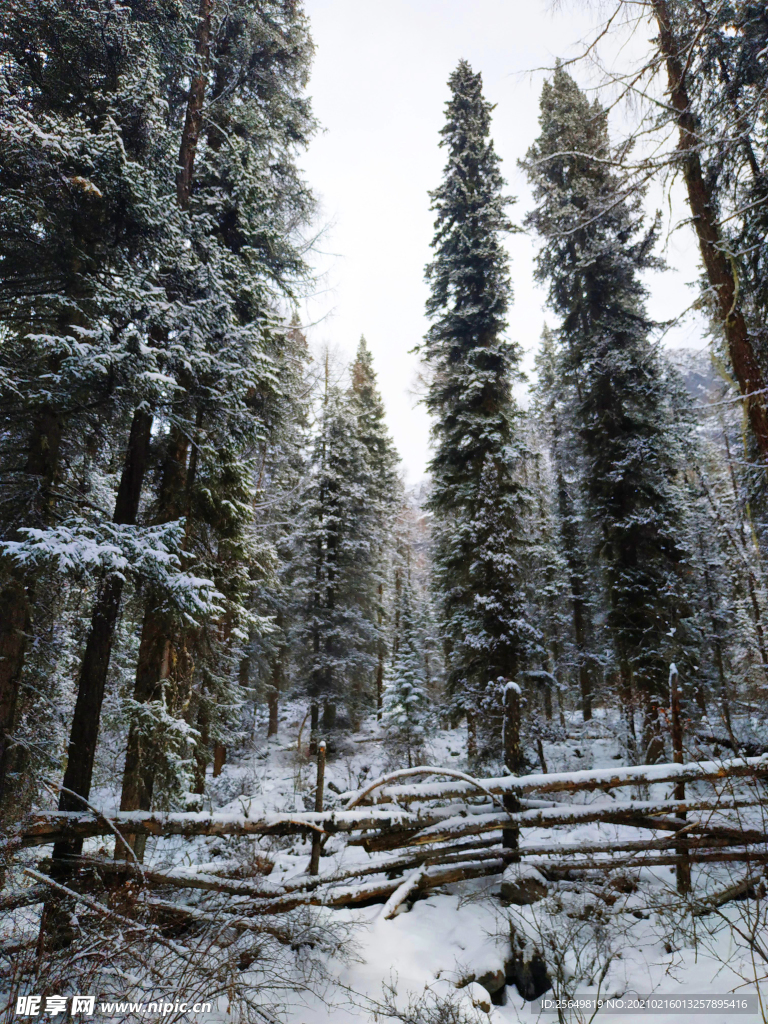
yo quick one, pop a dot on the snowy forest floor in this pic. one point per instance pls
(600, 934)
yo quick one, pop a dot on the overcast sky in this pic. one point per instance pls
(379, 88)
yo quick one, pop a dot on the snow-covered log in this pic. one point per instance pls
(568, 782)
(638, 813)
(54, 826)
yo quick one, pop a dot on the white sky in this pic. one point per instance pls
(378, 88)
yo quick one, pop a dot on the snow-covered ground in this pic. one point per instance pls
(462, 932)
(620, 936)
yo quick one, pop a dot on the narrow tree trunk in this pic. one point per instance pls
(718, 265)
(576, 580)
(157, 652)
(55, 926)
(512, 758)
(683, 868)
(273, 706)
(628, 707)
(195, 102)
(93, 672)
(471, 738)
(314, 722)
(15, 622)
(273, 697)
(317, 839)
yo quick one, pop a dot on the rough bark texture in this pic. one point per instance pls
(719, 267)
(93, 673)
(156, 650)
(512, 758)
(15, 621)
(55, 925)
(195, 103)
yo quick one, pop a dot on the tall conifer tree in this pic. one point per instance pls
(382, 459)
(595, 249)
(477, 497)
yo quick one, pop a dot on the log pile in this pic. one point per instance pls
(449, 831)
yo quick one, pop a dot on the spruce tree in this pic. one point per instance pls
(335, 632)
(84, 228)
(385, 485)
(405, 696)
(477, 496)
(594, 251)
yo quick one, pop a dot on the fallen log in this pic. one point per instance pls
(55, 826)
(570, 782)
(638, 814)
(435, 855)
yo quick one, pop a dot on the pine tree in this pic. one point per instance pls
(593, 254)
(84, 228)
(382, 459)
(405, 696)
(477, 497)
(335, 633)
(245, 203)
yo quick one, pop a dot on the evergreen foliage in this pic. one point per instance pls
(335, 582)
(405, 695)
(477, 496)
(594, 251)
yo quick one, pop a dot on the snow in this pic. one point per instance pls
(444, 943)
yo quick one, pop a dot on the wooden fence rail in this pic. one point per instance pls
(456, 829)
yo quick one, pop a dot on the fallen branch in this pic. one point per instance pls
(401, 894)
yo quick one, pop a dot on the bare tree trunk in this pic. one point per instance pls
(380, 662)
(512, 758)
(314, 861)
(719, 266)
(15, 621)
(273, 697)
(683, 869)
(157, 652)
(576, 581)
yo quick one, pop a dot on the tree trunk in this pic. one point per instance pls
(512, 758)
(15, 621)
(55, 926)
(718, 264)
(16, 594)
(157, 651)
(93, 672)
(195, 102)
(381, 654)
(576, 580)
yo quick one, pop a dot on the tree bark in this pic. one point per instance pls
(157, 653)
(512, 758)
(15, 620)
(194, 117)
(16, 591)
(93, 672)
(718, 265)
(55, 926)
